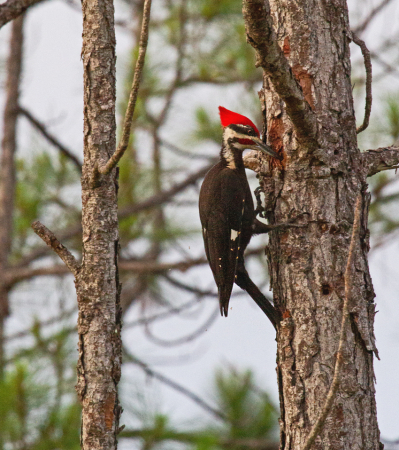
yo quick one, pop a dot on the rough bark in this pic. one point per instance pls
(7, 165)
(307, 265)
(97, 284)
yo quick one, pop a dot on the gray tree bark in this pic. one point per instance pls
(97, 282)
(319, 179)
(7, 166)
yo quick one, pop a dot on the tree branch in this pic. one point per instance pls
(318, 426)
(13, 275)
(11, 9)
(156, 435)
(42, 128)
(384, 158)
(132, 359)
(50, 239)
(361, 27)
(166, 195)
(127, 125)
(153, 201)
(184, 339)
(367, 64)
(269, 56)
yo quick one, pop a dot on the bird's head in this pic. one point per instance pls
(240, 133)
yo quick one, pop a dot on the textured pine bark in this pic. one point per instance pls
(97, 283)
(7, 165)
(307, 265)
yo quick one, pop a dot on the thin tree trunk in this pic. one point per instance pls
(7, 166)
(97, 284)
(307, 265)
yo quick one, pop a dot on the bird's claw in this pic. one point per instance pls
(260, 210)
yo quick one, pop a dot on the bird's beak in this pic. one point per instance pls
(259, 145)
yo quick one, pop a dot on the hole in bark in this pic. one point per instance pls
(333, 229)
(336, 152)
(326, 289)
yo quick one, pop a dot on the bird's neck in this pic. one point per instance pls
(232, 157)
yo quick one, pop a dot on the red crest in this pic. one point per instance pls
(228, 117)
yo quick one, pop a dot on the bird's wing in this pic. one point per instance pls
(222, 234)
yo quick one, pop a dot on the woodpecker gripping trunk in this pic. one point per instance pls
(227, 212)
(307, 265)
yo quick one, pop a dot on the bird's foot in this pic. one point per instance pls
(260, 227)
(260, 210)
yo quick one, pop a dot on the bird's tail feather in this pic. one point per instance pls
(224, 299)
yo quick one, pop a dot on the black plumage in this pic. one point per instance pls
(228, 216)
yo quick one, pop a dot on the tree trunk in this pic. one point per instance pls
(319, 185)
(97, 283)
(7, 166)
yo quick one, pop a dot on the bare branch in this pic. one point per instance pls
(11, 9)
(132, 359)
(16, 274)
(50, 239)
(368, 67)
(361, 27)
(164, 196)
(385, 158)
(53, 320)
(13, 276)
(318, 426)
(188, 288)
(269, 56)
(153, 201)
(181, 152)
(115, 158)
(188, 338)
(160, 316)
(42, 128)
(155, 435)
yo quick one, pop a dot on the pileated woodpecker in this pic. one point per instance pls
(227, 212)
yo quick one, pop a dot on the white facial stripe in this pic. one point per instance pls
(233, 235)
(228, 134)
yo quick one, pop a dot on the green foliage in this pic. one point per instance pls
(248, 411)
(383, 218)
(213, 10)
(392, 117)
(41, 183)
(30, 414)
(206, 128)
